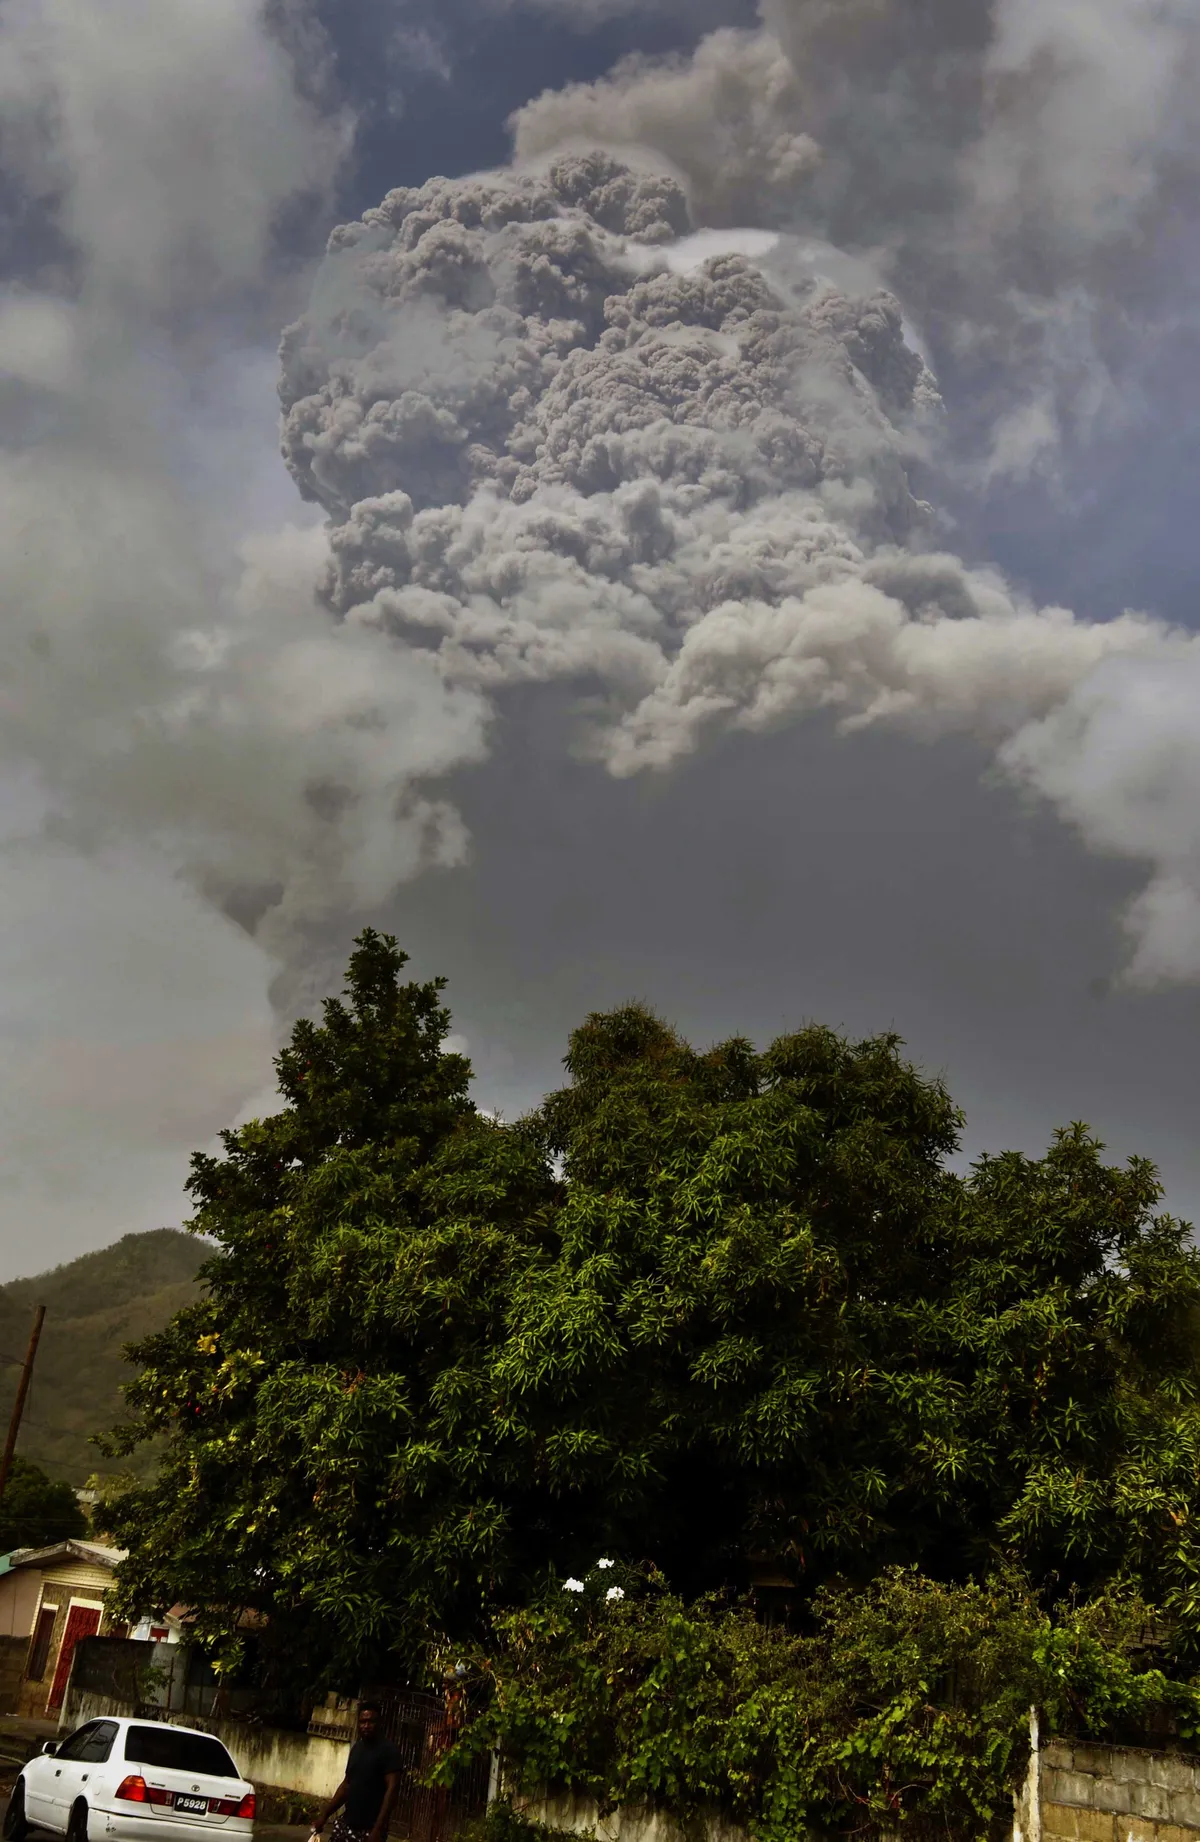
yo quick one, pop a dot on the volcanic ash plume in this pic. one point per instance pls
(563, 437)
(1023, 171)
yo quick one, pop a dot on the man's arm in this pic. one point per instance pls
(335, 1803)
(392, 1792)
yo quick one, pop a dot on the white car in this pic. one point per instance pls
(132, 1781)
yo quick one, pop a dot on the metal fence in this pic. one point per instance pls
(424, 1726)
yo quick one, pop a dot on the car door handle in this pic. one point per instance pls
(84, 1779)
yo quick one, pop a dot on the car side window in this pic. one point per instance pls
(100, 1742)
(73, 1748)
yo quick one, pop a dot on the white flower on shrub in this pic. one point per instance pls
(614, 1592)
(572, 1586)
(605, 1563)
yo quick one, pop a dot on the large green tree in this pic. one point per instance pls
(325, 1463)
(701, 1309)
(37, 1510)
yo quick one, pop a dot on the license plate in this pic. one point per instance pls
(191, 1806)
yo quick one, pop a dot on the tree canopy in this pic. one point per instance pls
(36, 1510)
(704, 1310)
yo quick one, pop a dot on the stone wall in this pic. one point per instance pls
(1073, 1793)
(1117, 1794)
(630, 1823)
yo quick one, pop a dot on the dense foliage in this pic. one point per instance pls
(905, 1706)
(774, 1322)
(36, 1510)
(324, 1463)
(722, 1312)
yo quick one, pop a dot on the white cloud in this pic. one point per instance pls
(171, 688)
(1120, 759)
(169, 132)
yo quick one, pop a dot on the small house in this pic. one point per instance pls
(50, 1598)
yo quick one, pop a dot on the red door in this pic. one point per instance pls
(82, 1621)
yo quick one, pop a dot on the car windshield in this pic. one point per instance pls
(169, 1750)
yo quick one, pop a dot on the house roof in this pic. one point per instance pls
(91, 1551)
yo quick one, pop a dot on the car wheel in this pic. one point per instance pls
(15, 1826)
(77, 1828)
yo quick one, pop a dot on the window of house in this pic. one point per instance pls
(39, 1651)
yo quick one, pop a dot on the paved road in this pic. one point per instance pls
(263, 1832)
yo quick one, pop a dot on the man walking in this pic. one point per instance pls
(367, 1794)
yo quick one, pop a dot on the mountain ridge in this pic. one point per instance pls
(94, 1306)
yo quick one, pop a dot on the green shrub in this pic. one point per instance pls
(905, 1706)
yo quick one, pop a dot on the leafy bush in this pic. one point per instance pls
(502, 1823)
(905, 1706)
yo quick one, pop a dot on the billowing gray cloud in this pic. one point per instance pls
(729, 122)
(561, 438)
(1019, 172)
(584, 14)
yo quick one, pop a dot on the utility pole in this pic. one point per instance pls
(14, 1425)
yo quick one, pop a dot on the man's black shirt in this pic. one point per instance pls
(367, 1771)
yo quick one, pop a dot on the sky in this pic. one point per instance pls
(733, 546)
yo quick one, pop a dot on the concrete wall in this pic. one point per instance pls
(305, 1763)
(1118, 1794)
(579, 1816)
(1073, 1793)
(336, 1718)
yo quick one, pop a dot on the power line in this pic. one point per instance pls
(14, 1425)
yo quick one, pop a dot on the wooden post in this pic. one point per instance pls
(14, 1425)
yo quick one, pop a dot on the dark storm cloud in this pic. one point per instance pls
(861, 883)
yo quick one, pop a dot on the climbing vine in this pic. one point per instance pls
(904, 1706)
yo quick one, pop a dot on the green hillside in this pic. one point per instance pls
(94, 1306)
